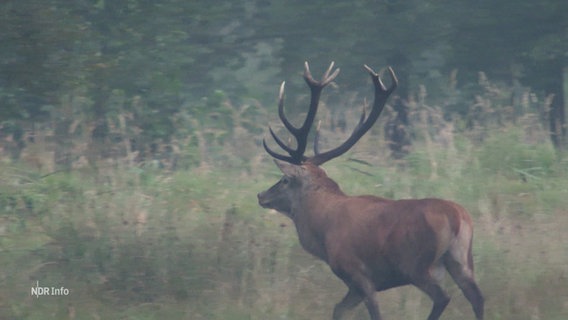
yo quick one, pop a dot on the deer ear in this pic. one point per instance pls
(288, 168)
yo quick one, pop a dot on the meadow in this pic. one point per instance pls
(138, 241)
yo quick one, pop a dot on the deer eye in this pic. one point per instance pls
(285, 180)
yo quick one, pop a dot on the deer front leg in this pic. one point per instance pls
(360, 289)
(350, 301)
(372, 306)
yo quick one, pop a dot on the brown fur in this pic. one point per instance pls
(373, 243)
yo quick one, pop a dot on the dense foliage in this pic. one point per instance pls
(124, 70)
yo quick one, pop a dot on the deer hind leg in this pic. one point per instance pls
(462, 273)
(458, 260)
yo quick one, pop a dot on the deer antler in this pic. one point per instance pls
(296, 156)
(365, 123)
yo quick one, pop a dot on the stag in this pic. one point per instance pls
(371, 243)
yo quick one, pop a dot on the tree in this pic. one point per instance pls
(525, 41)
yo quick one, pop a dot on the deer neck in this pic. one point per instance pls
(312, 217)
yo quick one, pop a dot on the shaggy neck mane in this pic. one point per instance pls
(322, 181)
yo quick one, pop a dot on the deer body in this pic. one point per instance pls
(372, 243)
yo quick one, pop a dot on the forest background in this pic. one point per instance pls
(131, 150)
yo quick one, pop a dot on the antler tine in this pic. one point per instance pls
(376, 78)
(288, 126)
(277, 155)
(365, 123)
(281, 114)
(281, 143)
(326, 78)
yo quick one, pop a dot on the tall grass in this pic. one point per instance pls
(138, 242)
(193, 244)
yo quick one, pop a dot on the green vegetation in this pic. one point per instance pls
(138, 242)
(145, 74)
(131, 155)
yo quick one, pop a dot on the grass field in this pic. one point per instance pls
(142, 243)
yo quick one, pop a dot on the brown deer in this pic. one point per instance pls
(370, 243)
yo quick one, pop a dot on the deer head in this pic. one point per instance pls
(301, 172)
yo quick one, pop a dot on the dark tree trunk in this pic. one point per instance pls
(557, 115)
(397, 130)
